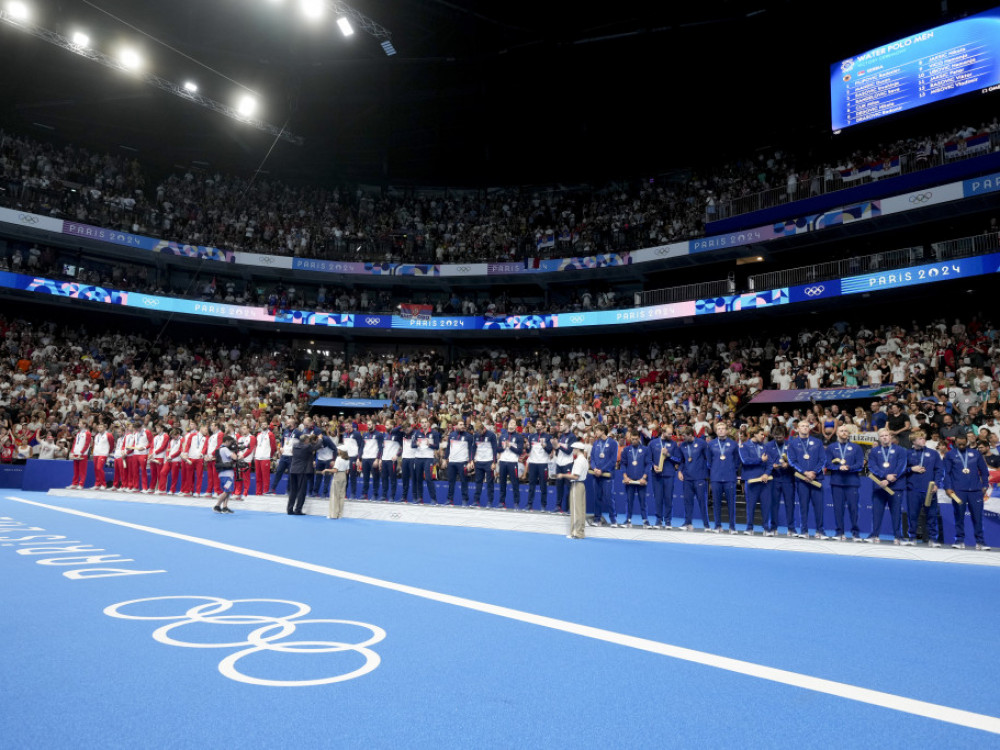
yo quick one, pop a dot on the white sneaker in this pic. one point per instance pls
(873, 540)
(935, 544)
(982, 547)
(909, 543)
(958, 545)
(688, 527)
(897, 542)
(748, 532)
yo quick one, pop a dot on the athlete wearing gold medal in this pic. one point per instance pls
(967, 482)
(723, 462)
(844, 461)
(807, 457)
(887, 466)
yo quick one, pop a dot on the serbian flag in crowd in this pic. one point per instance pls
(850, 175)
(979, 142)
(546, 239)
(885, 168)
(422, 312)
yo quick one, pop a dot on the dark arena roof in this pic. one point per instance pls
(478, 93)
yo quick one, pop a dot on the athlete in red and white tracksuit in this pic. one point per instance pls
(170, 473)
(266, 447)
(196, 445)
(103, 445)
(246, 446)
(131, 477)
(79, 455)
(140, 456)
(157, 456)
(121, 452)
(187, 463)
(211, 448)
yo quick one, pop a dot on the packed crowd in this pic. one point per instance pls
(55, 382)
(67, 265)
(349, 223)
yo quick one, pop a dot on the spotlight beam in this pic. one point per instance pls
(150, 79)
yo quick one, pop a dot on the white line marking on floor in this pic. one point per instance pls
(784, 677)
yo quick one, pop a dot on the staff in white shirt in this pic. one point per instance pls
(577, 495)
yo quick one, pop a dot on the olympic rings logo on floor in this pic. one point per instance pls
(262, 639)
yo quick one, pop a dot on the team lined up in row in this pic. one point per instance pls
(782, 471)
(411, 455)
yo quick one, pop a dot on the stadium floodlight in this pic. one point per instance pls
(313, 9)
(130, 59)
(19, 11)
(191, 87)
(247, 106)
(345, 26)
(80, 40)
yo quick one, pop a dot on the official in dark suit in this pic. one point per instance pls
(301, 471)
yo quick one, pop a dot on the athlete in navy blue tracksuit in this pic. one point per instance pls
(457, 454)
(888, 463)
(539, 446)
(484, 456)
(511, 449)
(966, 477)
(407, 463)
(807, 456)
(426, 441)
(756, 463)
(371, 455)
(603, 457)
(636, 466)
(693, 472)
(661, 450)
(564, 466)
(844, 461)
(392, 446)
(350, 440)
(925, 467)
(782, 486)
(723, 462)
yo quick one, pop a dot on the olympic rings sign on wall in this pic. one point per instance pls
(263, 638)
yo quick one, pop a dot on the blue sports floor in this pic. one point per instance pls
(461, 650)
